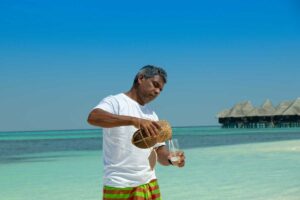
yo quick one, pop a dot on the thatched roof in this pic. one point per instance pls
(266, 109)
(223, 113)
(294, 108)
(244, 109)
(268, 106)
(282, 107)
(240, 109)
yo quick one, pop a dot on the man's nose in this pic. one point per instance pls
(157, 91)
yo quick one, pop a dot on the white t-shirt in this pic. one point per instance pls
(125, 165)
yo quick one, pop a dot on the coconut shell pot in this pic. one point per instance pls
(142, 140)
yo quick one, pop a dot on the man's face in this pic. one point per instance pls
(150, 88)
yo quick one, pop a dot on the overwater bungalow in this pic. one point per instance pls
(245, 115)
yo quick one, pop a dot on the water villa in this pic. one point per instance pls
(244, 115)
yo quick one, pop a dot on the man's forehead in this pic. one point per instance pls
(157, 78)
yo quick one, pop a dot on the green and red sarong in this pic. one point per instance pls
(149, 191)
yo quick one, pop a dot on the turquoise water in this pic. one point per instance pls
(221, 164)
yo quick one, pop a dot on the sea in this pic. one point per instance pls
(227, 164)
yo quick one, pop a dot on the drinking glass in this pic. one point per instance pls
(174, 151)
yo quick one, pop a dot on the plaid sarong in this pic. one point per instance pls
(149, 191)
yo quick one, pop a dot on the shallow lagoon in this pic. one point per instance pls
(256, 170)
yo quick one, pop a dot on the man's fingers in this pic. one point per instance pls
(156, 124)
(150, 131)
(155, 130)
(146, 131)
(151, 128)
(181, 162)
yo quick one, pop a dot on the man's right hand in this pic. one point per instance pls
(151, 128)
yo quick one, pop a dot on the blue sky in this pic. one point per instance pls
(58, 59)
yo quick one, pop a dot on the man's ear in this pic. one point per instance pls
(140, 78)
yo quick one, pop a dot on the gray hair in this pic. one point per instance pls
(150, 71)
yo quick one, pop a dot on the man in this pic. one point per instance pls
(128, 170)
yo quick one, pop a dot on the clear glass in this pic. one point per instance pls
(174, 151)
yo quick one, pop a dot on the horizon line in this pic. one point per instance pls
(81, 129)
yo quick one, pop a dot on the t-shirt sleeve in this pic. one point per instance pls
(159, 144)
(108, 104)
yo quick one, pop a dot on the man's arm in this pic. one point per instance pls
(99, 117)
(163, 157)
